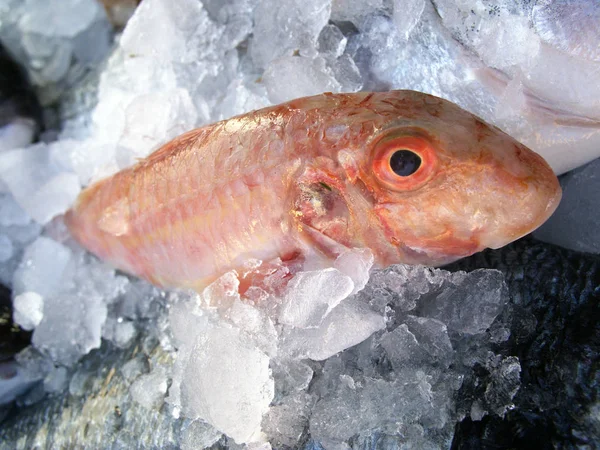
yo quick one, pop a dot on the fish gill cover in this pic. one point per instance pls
(398, 363)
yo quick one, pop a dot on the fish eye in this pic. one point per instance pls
(405, 162)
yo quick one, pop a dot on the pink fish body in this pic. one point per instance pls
(412, 177)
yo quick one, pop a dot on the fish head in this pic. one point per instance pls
(426, 182)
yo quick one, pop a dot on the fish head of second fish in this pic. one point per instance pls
(421, 181)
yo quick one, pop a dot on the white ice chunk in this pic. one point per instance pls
(223, 292)
(243, 95)
(350, 323)
(296, 76)
(355, 11)
(472, 304)
(16, 134)
(57, 380)
(6, 248)
(199, 435)
(407, 14)
(420, 342)
(65, 18)
(332, 41)
(11, 213)
(356, 263)
(154, 119)
(149, 390)
(281, 28)
(310, 297)
(70, 328)
(42, 188)
(291, 375)
(178, 31)
(347, 73)
(285, 422)
(28, 310)
(120, 332)
(42, 268)
(222, 358)
(256, 323)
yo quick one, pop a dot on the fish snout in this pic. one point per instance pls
(524, 193)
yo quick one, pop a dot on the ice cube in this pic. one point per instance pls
(42, 268)
(17, 134)
(407, 14)
(504, 385)
(135, 367)
(355, 263)
(243, 94)
(348, 324)
(198, 435)
(280, 29)
(154, 119)
(11, 213)
(256, 323)
(6, 248)
(222, 356)
(120, 332)
(331, 42)
(296, 76)
(28, 310)
(39, 186)
(64, 18)
(356, 11)
(347, 73)
(310, 297)
(285, 422)
(178, 31)
(70, 328)
(472, 304)
(290, 375)
(420, 343)
(57, 380)
(149, 390)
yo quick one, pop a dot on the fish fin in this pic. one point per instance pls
(557, 115)
(327, 247)
(498, 81)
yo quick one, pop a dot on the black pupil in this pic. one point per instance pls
(405, 163)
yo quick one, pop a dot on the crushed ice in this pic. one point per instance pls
(400, 345)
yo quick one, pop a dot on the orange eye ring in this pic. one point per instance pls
(385, 150)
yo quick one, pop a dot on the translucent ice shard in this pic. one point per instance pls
(280, 28)
(40, 186)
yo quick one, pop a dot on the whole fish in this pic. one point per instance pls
(411, 176)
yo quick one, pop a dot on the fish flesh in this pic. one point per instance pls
(412, 177)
